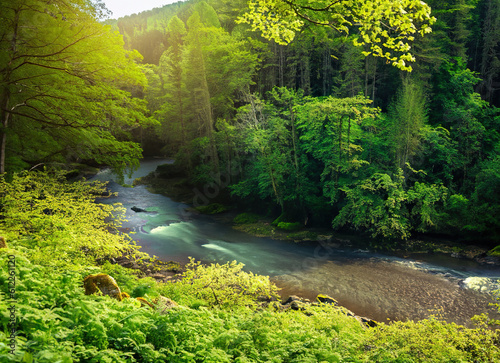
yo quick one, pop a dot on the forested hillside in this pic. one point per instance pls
(373, 117)
(332, 127)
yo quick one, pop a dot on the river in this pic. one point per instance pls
(378, 286)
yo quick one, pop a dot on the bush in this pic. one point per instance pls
(59, 221)
(225, 285)
(431, 341)
(56, 322)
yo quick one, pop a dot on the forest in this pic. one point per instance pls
(377, 118)
(336, 123)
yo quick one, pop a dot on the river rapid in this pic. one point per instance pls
(374, 285)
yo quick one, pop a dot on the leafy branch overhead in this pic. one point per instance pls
(384, 28)
(66, 79)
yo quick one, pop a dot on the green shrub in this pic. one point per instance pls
(59, 221)
(222, 285)
(431, 341)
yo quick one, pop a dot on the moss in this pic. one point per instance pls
(293, 226)
(303, 235)
(257, 229)
(245, 218)
(212, 208)
(494, 252)
(326, 299)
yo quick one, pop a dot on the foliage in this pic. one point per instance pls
(431, 340)
(67, 87)
(377, 205)
(386, 27)
(495, 251)
(407, 115)
(59, 220)
(382, 206)
(55, 321)
(227, 285)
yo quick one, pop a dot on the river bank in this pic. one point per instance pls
(318, 263)
(170, 182)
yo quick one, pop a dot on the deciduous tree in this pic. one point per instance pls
(386, 27)
(65, 85)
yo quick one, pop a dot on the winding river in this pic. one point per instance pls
(378, 286)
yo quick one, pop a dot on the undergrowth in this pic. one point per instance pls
(220, 316)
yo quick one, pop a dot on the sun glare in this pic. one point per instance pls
(121, 8)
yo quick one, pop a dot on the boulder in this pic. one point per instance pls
(291, 299)
(3, 243)
(325, 299)
(137, 209)
(102, 283)
(295, 302)
(366, 322)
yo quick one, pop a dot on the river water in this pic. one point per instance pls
(378, 286)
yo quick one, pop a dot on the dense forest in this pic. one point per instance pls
(323, 130)
(333, 123)
(373, 117)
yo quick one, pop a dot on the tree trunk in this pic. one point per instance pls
(5, 125)
(5, 107)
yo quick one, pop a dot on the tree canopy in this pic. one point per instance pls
(383, 28)
(66, 85)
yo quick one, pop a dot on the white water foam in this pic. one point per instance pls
(481, 284)
(213, 246)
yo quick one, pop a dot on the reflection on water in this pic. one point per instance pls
(372, 285)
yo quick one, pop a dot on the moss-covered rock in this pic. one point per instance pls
(289, 226)
(102, 283)
(494, 252)
(3, 243)
(212, 208)
(325, 299)
(244, 218)
(163, 304)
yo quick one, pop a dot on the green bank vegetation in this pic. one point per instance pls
(220, 316)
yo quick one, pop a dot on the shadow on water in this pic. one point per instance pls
(378, 286)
